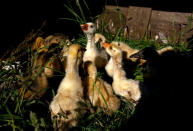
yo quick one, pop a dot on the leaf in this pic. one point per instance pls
(34, 119)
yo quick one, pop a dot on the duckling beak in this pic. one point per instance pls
(105, 45)
(84, 27)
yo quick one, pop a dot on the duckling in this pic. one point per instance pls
(57, 39)
(94, 85)
(38, 44)
(157, 63)
(128, 88)
(100, 38)
(99, 58)
(109, 67)
(153, 64)
(43, 67)
(54, 40)
(70, 92)
(162, 74)
(44, 56)
(153, 56)
(165, 49)
(129, 51)
(36, 90)
(53, 64)
(126, 49)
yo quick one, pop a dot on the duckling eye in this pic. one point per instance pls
(110, 48)
(118, 44)
(91, 26)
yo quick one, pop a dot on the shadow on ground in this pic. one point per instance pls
(167, 102)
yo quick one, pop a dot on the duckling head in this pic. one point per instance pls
(76, 51)
(88, 28)
(118, 43)
(39, 45)
(99, 38)
(112, 50)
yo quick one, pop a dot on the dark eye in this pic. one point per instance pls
(118, 44)
(91, 26)
(110, 47)
(100, 40)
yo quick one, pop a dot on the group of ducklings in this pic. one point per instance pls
(73, 89)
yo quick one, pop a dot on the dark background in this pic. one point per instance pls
(18, 18)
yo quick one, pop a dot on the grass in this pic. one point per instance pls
(33, 114)
(101, 121)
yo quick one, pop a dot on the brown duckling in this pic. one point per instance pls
(98, 91)
(70, 92)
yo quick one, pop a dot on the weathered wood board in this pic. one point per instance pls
(112, 20)
(173, 25)
(138, 22)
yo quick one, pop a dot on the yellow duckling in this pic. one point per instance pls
(98, 91)
(126, 49)
(100, 38)
(128, 88)
(92, 53)
(165, 49)
(70, 92)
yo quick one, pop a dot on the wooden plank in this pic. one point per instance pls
(112, 20)
(172, 24)
(141, 21)
(138, 20)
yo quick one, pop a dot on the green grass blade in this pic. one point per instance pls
(71, 19)
(86, 5)
(73, 13)
(81, 11)
(101, 94)
(35, 77)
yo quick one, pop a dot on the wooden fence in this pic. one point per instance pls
(138, 22)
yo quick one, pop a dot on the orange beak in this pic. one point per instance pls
(105, 45)
(84, 27)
